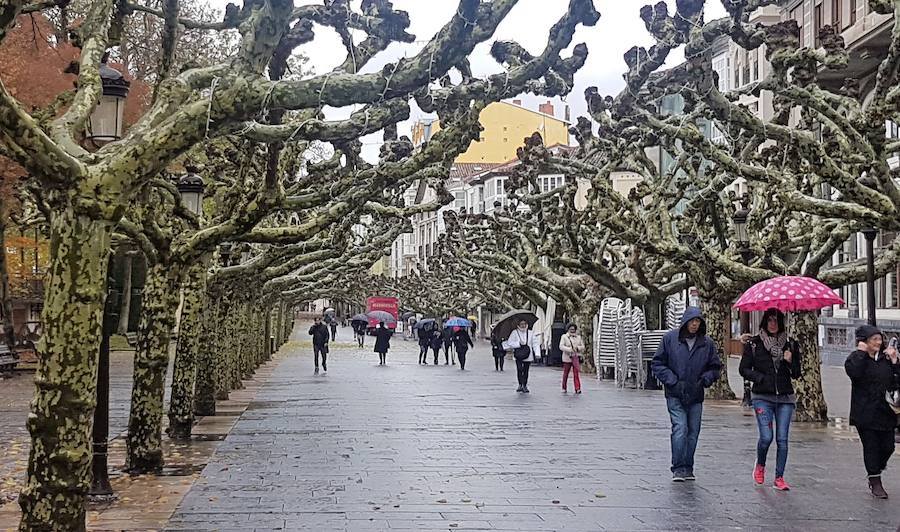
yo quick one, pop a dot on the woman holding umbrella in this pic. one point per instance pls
(382, 342)
(463, 342)
(771, 360)
(523, 344)
(359, 323)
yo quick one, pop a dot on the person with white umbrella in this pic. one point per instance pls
(523, 344)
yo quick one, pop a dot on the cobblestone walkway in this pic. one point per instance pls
(409, 447)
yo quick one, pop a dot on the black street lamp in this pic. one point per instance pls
(107, 122)
(742, 242)
(191, 187)
(870, 233)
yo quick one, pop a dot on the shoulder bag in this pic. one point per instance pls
(523, 351)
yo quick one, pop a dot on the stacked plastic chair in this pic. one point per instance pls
(606, 334)
(674, 310)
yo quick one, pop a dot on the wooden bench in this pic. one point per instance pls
(8, 358)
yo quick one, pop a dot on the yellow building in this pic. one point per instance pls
(506, 125)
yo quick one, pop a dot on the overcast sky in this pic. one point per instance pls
(528, 23)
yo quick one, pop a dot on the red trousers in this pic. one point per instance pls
(575, 366)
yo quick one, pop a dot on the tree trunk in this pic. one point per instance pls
(7, 333)
(184, 373)
(718, 319)
(125, 311)
(811, 404)
(62, 411)
(224, 348)
(205, 401)
(585, 322)
(151, 360)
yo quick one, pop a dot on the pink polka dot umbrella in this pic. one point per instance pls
(788, 294)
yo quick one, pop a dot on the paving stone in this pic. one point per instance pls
(412, 447)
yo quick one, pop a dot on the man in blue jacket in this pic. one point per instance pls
(686, 362)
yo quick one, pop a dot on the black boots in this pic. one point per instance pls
(876, 488)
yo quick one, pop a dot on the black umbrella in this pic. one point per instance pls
(428, 323)
(360, 317)
(508, 322)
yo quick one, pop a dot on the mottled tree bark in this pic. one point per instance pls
(62, 411)
(184, 372)
(151, 360)
(6, 324)
(125, 310)
(718, 318)
(205, 395)
(811, 404)
(223, 355)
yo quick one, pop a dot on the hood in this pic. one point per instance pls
(689, 314)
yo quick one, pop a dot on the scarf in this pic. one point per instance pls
(774, 344)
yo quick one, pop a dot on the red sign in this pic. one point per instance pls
(385, 304)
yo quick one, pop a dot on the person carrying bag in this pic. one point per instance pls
(524, 346)
(572, 347)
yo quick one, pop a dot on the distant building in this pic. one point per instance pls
(505, 126)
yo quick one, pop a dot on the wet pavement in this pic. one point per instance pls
(412, 447)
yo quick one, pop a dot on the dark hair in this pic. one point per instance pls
(571, 326)
(381, 323)
(778, 316)
(521, 321)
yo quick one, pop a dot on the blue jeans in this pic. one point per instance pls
(780, 414)
(685, 433)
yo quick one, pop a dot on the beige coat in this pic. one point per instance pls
(570, 345)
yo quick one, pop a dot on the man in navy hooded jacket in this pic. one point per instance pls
(686, 362)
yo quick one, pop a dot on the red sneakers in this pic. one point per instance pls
(780, 484)
(759, 474)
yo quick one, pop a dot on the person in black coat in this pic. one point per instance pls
(382, 342)
(448, 345)
(436, 340)
(319, 333)
(873, 371)
(498, 352)
(424, 343)
(770, 362)
(463, 342)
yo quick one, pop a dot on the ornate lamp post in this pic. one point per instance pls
(870, 233)
(105, 125)
(191, 187)
(742, 241)
(107, 122)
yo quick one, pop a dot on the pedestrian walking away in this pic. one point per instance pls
(424, 344)
(770, 362)
(437, 340)
(523, 344)
(332, 324)
(463, 342)
(382, 342)
(498, 351)
(873, 372)
(359, 331)
(319, 333)
(686, 362)
(448, 346)
(572, 347)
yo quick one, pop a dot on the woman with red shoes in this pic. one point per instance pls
(770, 362)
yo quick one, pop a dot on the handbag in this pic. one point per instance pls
(893, 400)
(523, 351)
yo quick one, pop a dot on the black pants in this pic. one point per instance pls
(333, 332)
(447, 347)
(878, 446)
(522, 368)
(321, 350)
(382, 358)
(423, 352)
(498, 361)
(461, 354)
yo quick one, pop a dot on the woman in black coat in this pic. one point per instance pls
(463, 342)
(436, 340)
(873, 371)
(771, 361)
(498, 352)
(424, 344)
(382, 342)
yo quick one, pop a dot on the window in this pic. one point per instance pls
(756, 68)
(797, 14)
(887, 289)
(737, 76)
(505, 139)
(818, 22)
(836, 336)
(722, 67)
(852, 12)
(836, 15)
(501, 186)
(460, 200)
